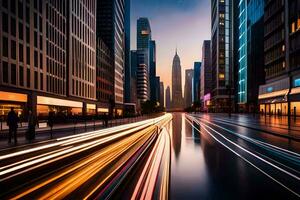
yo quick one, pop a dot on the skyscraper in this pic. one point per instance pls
(152, 71)
(168, 98)
(143, 55)
(162, 94)
(206, 74)
(177, 100)
(48, 63)
(143, 34)
(280, 94)
(249, 46)
(196, 79)
(110, 28)
(127, 84)
(142, 78)
(189, 74)
(222, 49)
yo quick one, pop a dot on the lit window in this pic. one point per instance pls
(298, 24)
(293, 27)
(221, 76)
(283, 47)
(297, 82)
(283, 64)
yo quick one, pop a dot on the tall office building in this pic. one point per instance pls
(143, 34)
(104, 76)
(206, 75)
(133, 77)
(282, 60)
(127, 84)
(47, 62)
(222, 59)
(152, 71)
(249, 46)
(143, 55)
(177, 100)
(168, 98)
(196, 83)
(157, 89)
(110, 28)
(189, 77)
(162, 94)
(142, 78)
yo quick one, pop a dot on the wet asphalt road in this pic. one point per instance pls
(212, 159)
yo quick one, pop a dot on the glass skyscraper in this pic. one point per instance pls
(249, 47)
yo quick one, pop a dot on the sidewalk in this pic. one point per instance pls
(276, 125)
(61, 130)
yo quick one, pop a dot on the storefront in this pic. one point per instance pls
(90, 109)
(273, 98)
(58, 106)
(10, 99)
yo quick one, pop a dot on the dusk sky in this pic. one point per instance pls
(181, 23)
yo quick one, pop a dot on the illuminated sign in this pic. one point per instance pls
(270, 89)
(91, 106)
(10, 96)
(58, 102)
(297, 82)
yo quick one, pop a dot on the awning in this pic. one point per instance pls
(274, 94)
(11, 96)
(41, 100)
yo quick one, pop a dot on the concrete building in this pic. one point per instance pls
(177, 100)
(196, 81)
(222, 55)
(111, 29)
(189, 74)
(206, 75)
(168, 98)
(47, 63)
(281, 93)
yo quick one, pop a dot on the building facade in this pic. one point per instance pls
(206, 75)
(168, 98)
(281, 94)
(40, 67)
(222, 58)
(110, 23)
(189, 74)
(249, 63)
(127, 83)
(152, 71)
(142, 76)
(196, 81)
(162, 95)
(177, 100)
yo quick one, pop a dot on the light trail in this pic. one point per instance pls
(204, 126)
(112, 151)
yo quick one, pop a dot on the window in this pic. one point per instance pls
(5, 46)
(28, 78)
(27, 15)
(5, 72)
(293, 27)
(20, 9)
(21, 76)
(13, 49)
(41, 82)
(13, 26)
(13, 6)
(4, 22)
(21, 31)
(35, 59)
(35, 39)
(28, 55)
(221, 76)
(27, 35)
(35, 80)
(13, 74)
(21, 53)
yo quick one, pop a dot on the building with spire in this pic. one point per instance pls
(177, 100)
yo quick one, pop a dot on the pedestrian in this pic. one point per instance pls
(51, 122)
(12, 122)
(30, 135)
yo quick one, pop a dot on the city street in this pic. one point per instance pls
(178, 156)
(214, 160)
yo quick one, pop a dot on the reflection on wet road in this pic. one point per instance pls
(213, 161)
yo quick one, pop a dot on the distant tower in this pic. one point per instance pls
(189, 74)
(168, 98)
(177, 100)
